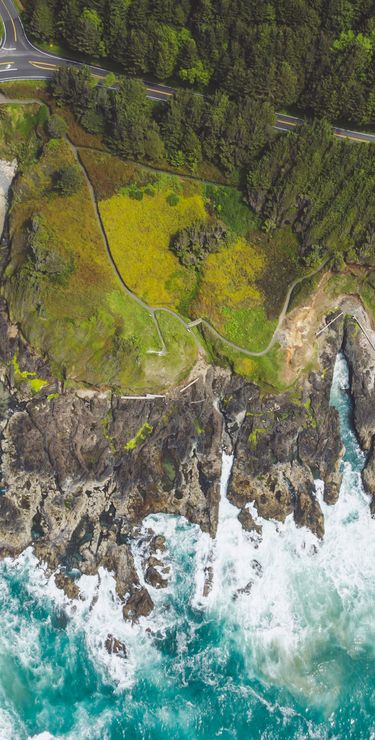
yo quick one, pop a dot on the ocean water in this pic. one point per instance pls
(283, 645)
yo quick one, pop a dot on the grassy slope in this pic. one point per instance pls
(92, 331)
(90, 328)
(240, 290)
(139, 233)
(359, 282)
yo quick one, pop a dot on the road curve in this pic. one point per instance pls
(21, 60)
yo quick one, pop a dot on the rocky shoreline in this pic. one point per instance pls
(82, 469)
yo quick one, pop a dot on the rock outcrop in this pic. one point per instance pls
(81, 469)
(284, 441)
(359, 350)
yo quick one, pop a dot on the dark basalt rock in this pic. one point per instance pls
(361, 360)
(114, 646)
(248, 522)
(139, 604)
(154, 578)
(360, 356)
(67, 585)
(284, 442)
(158, 544)
(82, 470)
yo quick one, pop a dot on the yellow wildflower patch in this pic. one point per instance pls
(139, 233)
(228, 280)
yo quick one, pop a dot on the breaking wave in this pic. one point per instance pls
(270, 637)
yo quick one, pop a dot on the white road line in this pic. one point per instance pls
(5, 37)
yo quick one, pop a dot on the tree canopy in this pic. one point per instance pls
(317, 55)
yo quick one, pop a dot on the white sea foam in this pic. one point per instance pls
(298, 602)
(291, 605)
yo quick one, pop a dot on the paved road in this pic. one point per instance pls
(20, 60)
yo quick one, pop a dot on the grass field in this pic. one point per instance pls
(139, 232)
(78, 313)
(80, 316)
(231, 289)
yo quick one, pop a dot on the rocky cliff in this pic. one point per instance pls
(359, 349)
(81, 469)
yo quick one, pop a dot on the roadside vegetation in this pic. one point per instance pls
(317, 56)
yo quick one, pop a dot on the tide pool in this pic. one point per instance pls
(282, 645)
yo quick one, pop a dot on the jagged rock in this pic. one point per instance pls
(248, 522)
(115, 647)
(83, 470)
(154, 562)
(139, 604)
(360, 356)
(270, 492)
(67, 585)
(361, 360)
(208, 580)
(157, 543)
(368, 477)
(153, 578)
(284, 442)
(307, 511)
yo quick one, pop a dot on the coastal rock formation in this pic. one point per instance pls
(359, 350)
(81, 469)
(284, 442)
(361, 360)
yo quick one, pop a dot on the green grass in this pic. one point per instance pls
(139, 233)
(82, 319)
(142, 434)
(227, 291)
(90, 329)
(266, 371)
(228, 204)
(249, 327)
(361, 285)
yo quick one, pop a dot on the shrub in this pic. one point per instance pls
(56, 126)
(172, 199)
(69, 179)
(136, 194)
(193, 244)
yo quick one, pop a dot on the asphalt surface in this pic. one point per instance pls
(20, 60)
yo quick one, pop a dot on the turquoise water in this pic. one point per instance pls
(291, 655)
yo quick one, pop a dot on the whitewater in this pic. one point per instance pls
(255, 637)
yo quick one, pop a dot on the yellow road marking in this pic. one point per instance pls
(161, 92)
(7, 62)
(352, 138)
(11, 20)
(43, 65)
(287, 123)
